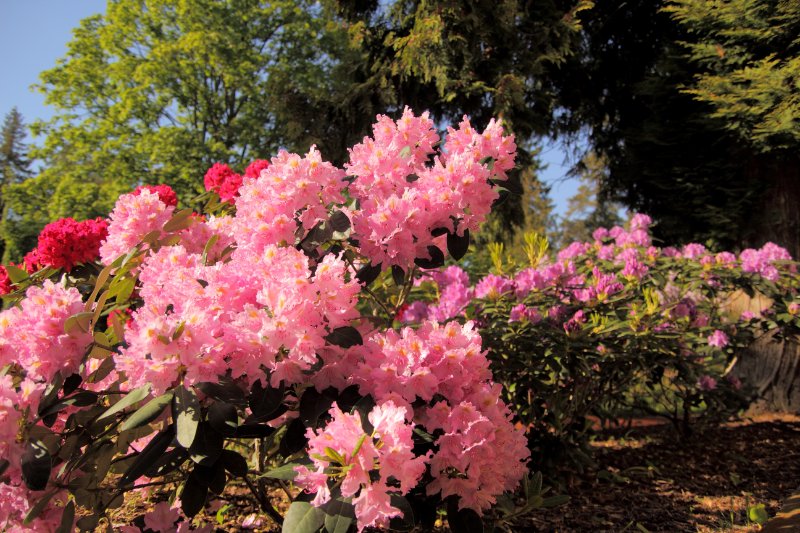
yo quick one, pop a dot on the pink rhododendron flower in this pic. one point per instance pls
(344, 443)
(718, 339)
(254, 169)
(706, 383)
(133, 217)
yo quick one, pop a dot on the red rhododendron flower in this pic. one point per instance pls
(254, 169)
(5, 281)
(221, 179)
(164, 192)
(66, 242)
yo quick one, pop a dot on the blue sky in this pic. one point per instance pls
(35, 33)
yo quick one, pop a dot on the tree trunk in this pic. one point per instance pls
(772, 368)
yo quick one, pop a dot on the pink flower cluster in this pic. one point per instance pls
(344, 453)
(66, 243)
(762, 261)
(403, 199)
(134, 216)
(292, 190)
(32, 335)
(256, 311)
(480, 454)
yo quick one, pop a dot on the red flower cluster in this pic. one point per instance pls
(164, 192)
(221, 179)
(254, 169)
(5, 281)
(66, 242)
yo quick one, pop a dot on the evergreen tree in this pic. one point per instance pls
(14, 162)
(693, 107)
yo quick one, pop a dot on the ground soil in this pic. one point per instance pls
(648, 480)
(645, 480)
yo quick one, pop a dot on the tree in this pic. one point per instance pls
(158, 91)
(589, 208)
(475, 57)
(643, 83)
(14, 162)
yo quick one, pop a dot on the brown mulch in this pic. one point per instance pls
(647, 480)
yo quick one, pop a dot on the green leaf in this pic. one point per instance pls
(462, 520)
(227, 392)
(758, 514)
(207, 445)
(149, 455)
(285, 472)
(67, 518)
(312, 405)
(134, 396)
(38, 507)
(339, 515)
(148, 412)
(36, 464)
(345, 337)
(179, 221)
(368, 273)
(16, 274)
(303, 517)
(186, 413)
(458, 245)
(223, 418)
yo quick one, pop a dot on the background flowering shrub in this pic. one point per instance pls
(615, 327)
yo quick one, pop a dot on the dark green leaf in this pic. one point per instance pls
(464, 520)
(294, 439)
(67, 518)
(129, 399)
(253, 431)
(186, 413)
(405, 522)
(36, 465)
(38, 507)
(436, 259)
(223, 418)
(458, 245)
(303, 517)
(207, 445)
(193, 498)
(234, 463)
(313, 404)
(71, 383)
(346, 337)
(339, 515)
(227, 392)
(398, 275)
(339, 221)
(149, 455)
(264, 401)
(368, 273)
(16, 274)
(285, 472)
(148, 412)
(168, 462)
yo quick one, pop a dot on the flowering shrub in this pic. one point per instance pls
(615, 326)
(195, 334)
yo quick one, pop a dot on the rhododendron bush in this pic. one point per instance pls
(616, 326)
(148, 352)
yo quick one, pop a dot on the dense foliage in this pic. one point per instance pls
(616, 327)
